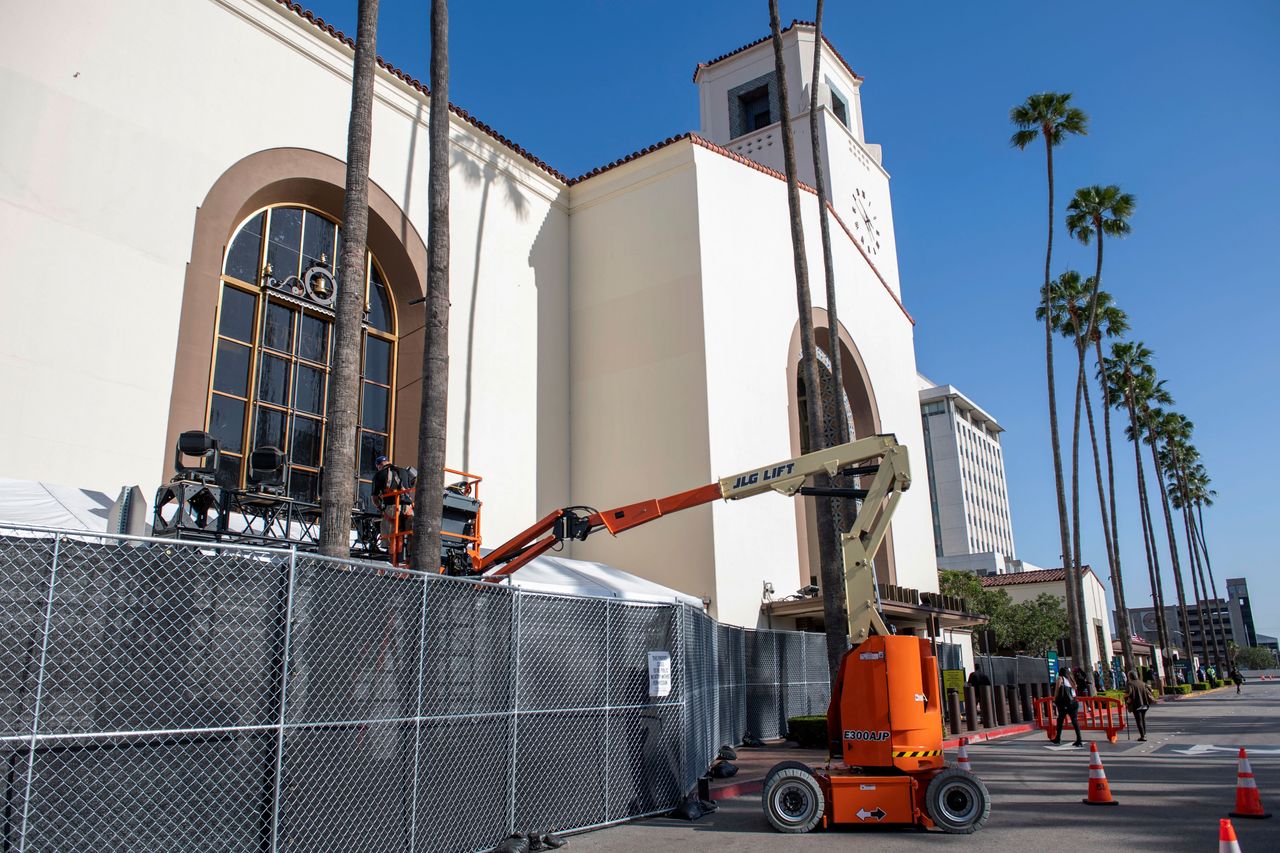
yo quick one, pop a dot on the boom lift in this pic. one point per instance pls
(886, 708)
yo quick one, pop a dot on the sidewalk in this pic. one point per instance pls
(754, 762)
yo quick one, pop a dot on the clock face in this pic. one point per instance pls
(865, 222)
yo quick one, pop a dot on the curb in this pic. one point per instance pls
(755, 786)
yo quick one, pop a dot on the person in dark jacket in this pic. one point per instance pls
(387, 481)
(1064, 699)
(1138, 698)
(1235, 676)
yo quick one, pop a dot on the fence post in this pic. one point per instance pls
(608, 698)
(35, 711)
(515, 709)
(417, 717)
(284, 698)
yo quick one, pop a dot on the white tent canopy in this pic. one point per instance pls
(597, 580)
(28, 502)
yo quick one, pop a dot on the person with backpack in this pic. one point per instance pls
(1138, 698)
(1064, 699)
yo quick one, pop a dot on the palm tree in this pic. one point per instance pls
(1113, 323)
(1094, 212)
(829, 557)
(1180, 458)
(338, 487)
(1201, 496)
(1131, 385)
(1158, 427)
(1067, 306)
(1050, 116)
(843, 429)
(433, 422)
(1076, 307)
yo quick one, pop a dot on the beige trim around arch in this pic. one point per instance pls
(278, 176)
(866, 412)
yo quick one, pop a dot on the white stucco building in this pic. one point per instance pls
(972, 525)
(621, 335)
(1026, 585)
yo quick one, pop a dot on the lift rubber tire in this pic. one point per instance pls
(957, 801)
(793, 799)
(784, 765)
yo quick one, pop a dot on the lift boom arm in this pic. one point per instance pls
(892, 476)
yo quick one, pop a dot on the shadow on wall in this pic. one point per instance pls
(483, 175)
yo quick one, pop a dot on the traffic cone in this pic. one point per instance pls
(1099, 790)
(962, 759)
(1227, 837)
(1248, 802)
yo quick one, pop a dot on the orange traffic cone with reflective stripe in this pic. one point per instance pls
(1227, 837)
(1248, 802)
(1099, 790)
(962, 759)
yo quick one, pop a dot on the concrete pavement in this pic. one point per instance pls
(1172, 790)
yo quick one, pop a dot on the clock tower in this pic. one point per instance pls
(741, 111)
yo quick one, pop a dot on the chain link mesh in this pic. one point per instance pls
(161, 695)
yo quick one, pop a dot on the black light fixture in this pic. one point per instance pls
(267, 470)
(199, 445)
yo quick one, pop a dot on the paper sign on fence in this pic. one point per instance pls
(659, 673)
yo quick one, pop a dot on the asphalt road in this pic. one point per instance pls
(1172, 791)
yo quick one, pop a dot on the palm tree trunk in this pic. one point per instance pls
(1149, 545)
(1210, 604)
(829, 556)
(433, 419)
(1113, 555)
(338, 487)
(843, 512)
(1117, 580)
(1074, 619)
(1198, 526)
(1081, 659)
(1201, 614)
(1173, 545)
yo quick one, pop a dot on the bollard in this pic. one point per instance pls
(1024, 694)
(986, 706)
(1015, 707)
(999, 705)
(970, 709)
(953, 711)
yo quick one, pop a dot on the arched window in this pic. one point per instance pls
(273, 345)
(828, 403)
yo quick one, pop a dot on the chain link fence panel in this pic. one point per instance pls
(166, 695)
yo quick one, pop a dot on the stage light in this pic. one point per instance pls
(199, 445)
(267, 469)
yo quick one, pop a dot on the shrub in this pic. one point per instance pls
(1113, 694)
(1200, 685)
(1177, 689)
(808, 732)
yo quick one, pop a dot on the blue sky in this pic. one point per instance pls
(1185, 115)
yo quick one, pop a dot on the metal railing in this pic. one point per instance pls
(162, 695)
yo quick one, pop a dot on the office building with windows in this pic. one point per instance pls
(972, 526)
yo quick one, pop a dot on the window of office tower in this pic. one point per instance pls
(274, 344)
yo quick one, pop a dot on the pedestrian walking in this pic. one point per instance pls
(1138, 698)
(1237, 677)
(1064, 699)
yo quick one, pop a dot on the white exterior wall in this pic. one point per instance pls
(749, 286)
(638, 371)
(122, 139)
(1095, 608)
